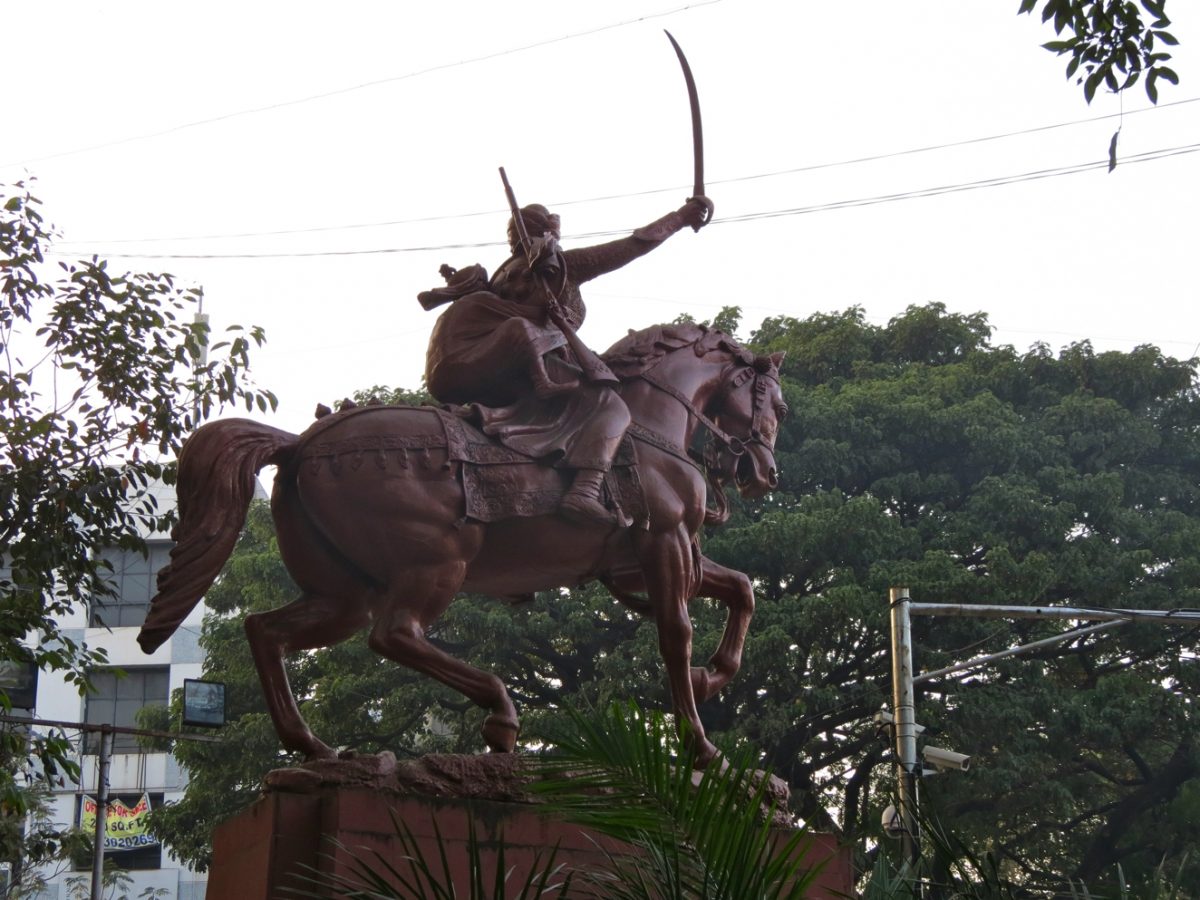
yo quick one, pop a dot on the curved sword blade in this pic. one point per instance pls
(697, 128)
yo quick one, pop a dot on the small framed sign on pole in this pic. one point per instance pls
(203, 703)
(19, 680)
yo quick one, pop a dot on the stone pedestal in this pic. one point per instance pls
(307, 824)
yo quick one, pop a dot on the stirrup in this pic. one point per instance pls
(581, 509)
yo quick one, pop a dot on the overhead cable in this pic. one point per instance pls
(878, 157)
(746, 217)
(336, 92)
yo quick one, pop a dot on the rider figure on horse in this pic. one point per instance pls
(507, 350)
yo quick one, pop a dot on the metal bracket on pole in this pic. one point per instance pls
(1017, 651)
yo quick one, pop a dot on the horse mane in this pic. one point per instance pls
(640, 351)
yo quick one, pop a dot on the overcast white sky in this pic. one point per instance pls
(252, 134)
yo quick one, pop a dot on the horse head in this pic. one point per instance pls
(728, 391)
(748, 408)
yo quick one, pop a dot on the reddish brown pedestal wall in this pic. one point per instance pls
(259, 852)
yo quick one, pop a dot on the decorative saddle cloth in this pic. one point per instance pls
(498, 482)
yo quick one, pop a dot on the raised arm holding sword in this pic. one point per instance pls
(508, 346)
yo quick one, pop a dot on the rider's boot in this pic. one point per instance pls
(582, 503)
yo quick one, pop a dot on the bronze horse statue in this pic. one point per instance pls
(375, 542)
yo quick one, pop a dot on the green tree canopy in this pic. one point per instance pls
(1110, 43)
(917, 454)
(920, 455)
(101, 376)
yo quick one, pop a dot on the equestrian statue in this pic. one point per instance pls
(544, 465)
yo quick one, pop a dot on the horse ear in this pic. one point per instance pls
(777, 358)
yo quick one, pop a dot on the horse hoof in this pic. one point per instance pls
(702, 687)
(500, 732)
(706, 752)
(706, 683)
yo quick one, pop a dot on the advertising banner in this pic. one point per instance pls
(124, 826)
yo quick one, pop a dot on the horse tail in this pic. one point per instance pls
(217, 469)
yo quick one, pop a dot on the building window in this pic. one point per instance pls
(116, 700)
(133, 580)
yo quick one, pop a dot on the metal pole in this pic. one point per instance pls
(1085, 613)
(200, 362)
(113, 729)
(904, 711)
(106, 742)
(1017, 651)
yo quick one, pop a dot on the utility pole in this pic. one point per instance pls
(106, 744)
(103, 760)
(905, 713)
(903, 680)
(198, 364)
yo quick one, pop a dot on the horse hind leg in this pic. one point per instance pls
(307, 623)
(401, 618)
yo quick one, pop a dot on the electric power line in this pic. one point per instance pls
(966, 186)
(875, 200)
(336, 92)
(911, 151)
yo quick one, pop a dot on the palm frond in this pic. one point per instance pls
(373, 876)
(675, 833)
(626, 774)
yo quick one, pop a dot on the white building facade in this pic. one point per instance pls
(149, 680)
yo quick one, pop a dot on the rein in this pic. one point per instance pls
(654, 439)
(735, 445)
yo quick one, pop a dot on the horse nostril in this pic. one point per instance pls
(773, 478)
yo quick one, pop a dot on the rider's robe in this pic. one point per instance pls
(481, 347)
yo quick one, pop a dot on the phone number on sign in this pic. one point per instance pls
(131, 842)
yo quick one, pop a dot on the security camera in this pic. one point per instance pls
(946, 759)
(893, 823)
(883, 717)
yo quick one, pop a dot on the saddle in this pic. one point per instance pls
(498, 482)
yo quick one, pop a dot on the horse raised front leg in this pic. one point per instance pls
(668, 567)
(734, 590)
(402, 616)
(305, 624)
(729, 587)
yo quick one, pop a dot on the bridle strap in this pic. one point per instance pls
(736, 446)
(758, 398)
(709, 463)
